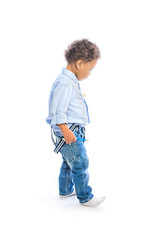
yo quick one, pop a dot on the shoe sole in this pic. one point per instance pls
(66, 196)
(95, 205)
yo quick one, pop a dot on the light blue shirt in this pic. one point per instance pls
(66, 103)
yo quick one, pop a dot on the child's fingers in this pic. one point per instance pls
(70, 140)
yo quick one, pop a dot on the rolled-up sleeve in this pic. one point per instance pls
(62, 95)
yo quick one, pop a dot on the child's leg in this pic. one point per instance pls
(76, 158)
(65, 179)
(80, 172)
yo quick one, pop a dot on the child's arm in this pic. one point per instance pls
(68, 134)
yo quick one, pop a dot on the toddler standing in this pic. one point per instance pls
(67, 107)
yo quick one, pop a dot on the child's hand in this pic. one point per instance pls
(68, 134)
(69, 137)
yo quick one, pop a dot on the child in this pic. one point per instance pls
(66, 107)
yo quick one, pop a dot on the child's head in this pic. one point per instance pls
(82, 56)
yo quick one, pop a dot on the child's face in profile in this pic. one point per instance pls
(84, 69)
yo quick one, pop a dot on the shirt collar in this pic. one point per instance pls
(70, 74)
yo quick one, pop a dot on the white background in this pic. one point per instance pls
(123, 94)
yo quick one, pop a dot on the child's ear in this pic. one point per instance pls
(79, 63)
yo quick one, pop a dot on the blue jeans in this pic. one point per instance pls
(74, 169)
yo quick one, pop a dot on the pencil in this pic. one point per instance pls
(81, 139)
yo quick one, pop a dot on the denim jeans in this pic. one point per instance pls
(74, 169)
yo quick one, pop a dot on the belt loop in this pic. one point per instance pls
(83, 129)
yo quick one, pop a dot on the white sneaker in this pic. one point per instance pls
(69, 195)
(94, 202)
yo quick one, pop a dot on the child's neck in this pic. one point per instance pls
(71, 67)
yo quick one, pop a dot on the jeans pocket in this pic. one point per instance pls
(67, 152)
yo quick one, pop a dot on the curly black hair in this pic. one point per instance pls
(82, 50)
